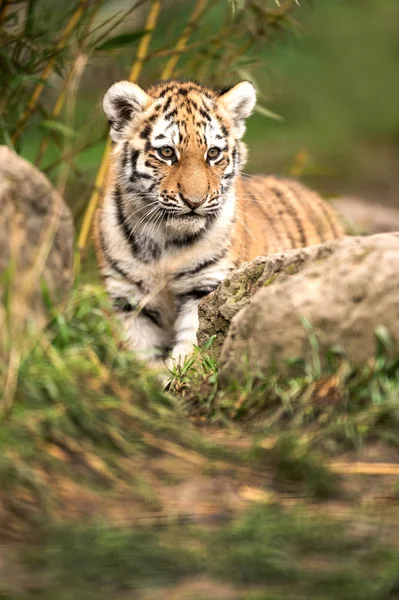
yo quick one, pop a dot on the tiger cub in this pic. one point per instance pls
(176, 216)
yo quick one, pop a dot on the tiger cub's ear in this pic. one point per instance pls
(239, 102)
(121, 102)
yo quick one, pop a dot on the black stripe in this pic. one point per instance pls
(285, 201)
(201, 266)
(126, 230)
(170, 114)
(146, 132)
(205, 115)
(134, 158)
(151, 188)
(160, 136)
(167, 104)
(180, 242)
(189, 239)
(135, 173)
(150, 251)
(115, 265)
(142, 175)
(162, 352)
(123, 305)
(125, 154)
(109, 259)
(152, 315)
(223, 128)
(265, 213)
(281, 212)
(197, 293)
(234, 156)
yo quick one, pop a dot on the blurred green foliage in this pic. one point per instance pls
(329, 69)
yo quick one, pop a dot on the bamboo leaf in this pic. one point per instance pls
(119, 41)
(59, 127)
(237, 5)
(262, 110)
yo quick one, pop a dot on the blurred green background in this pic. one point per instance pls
(328, 68)
(89, 435)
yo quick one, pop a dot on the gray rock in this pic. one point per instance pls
(218, 309)
(365, 217)
(36, 239)
(345, 290)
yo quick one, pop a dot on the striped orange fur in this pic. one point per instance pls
(178, 215)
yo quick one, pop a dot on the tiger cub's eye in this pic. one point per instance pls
(166, 152)
(213, 153)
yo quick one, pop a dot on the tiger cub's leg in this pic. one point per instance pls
(186, 327)
(143, 322)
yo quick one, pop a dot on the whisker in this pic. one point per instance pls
(245, 214)
(157, 221)
(246, 227)
(149, 213)
(127, 217)
(247, 175)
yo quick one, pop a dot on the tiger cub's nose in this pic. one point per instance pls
(193, 201)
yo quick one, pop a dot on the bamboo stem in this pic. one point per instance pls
(115, 23)
(166, 52)
(63, 91)
(37, 92)
(102, 172)
(54, 114)
(3, 10)
(142, 50)
(142, 54)
(73, 153)
(182, 41)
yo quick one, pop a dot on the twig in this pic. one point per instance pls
(133, 76)
(54, 114)
(116, 22)
(182, 41)
(169, 51)
(364, 468)
(142, 50)
(37, 92)
(72, 90)
(142, 54)
(74, 152)
(3, 10)
(63, 91)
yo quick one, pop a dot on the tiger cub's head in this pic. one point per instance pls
(178, 146)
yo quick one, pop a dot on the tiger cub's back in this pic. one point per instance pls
(275, 214)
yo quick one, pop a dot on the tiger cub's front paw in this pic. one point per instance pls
(181, 352)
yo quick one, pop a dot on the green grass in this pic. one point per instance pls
(108, 558)
(87, 412)
(81, 404)
(323, 75)
(266, 551)
(344, 406)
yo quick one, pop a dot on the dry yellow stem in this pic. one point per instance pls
(63, 91)
(37, 92)
(365, 468)
(142, 54)
(55, 113)
(3, 10)
(102, 172)
(181, 43)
